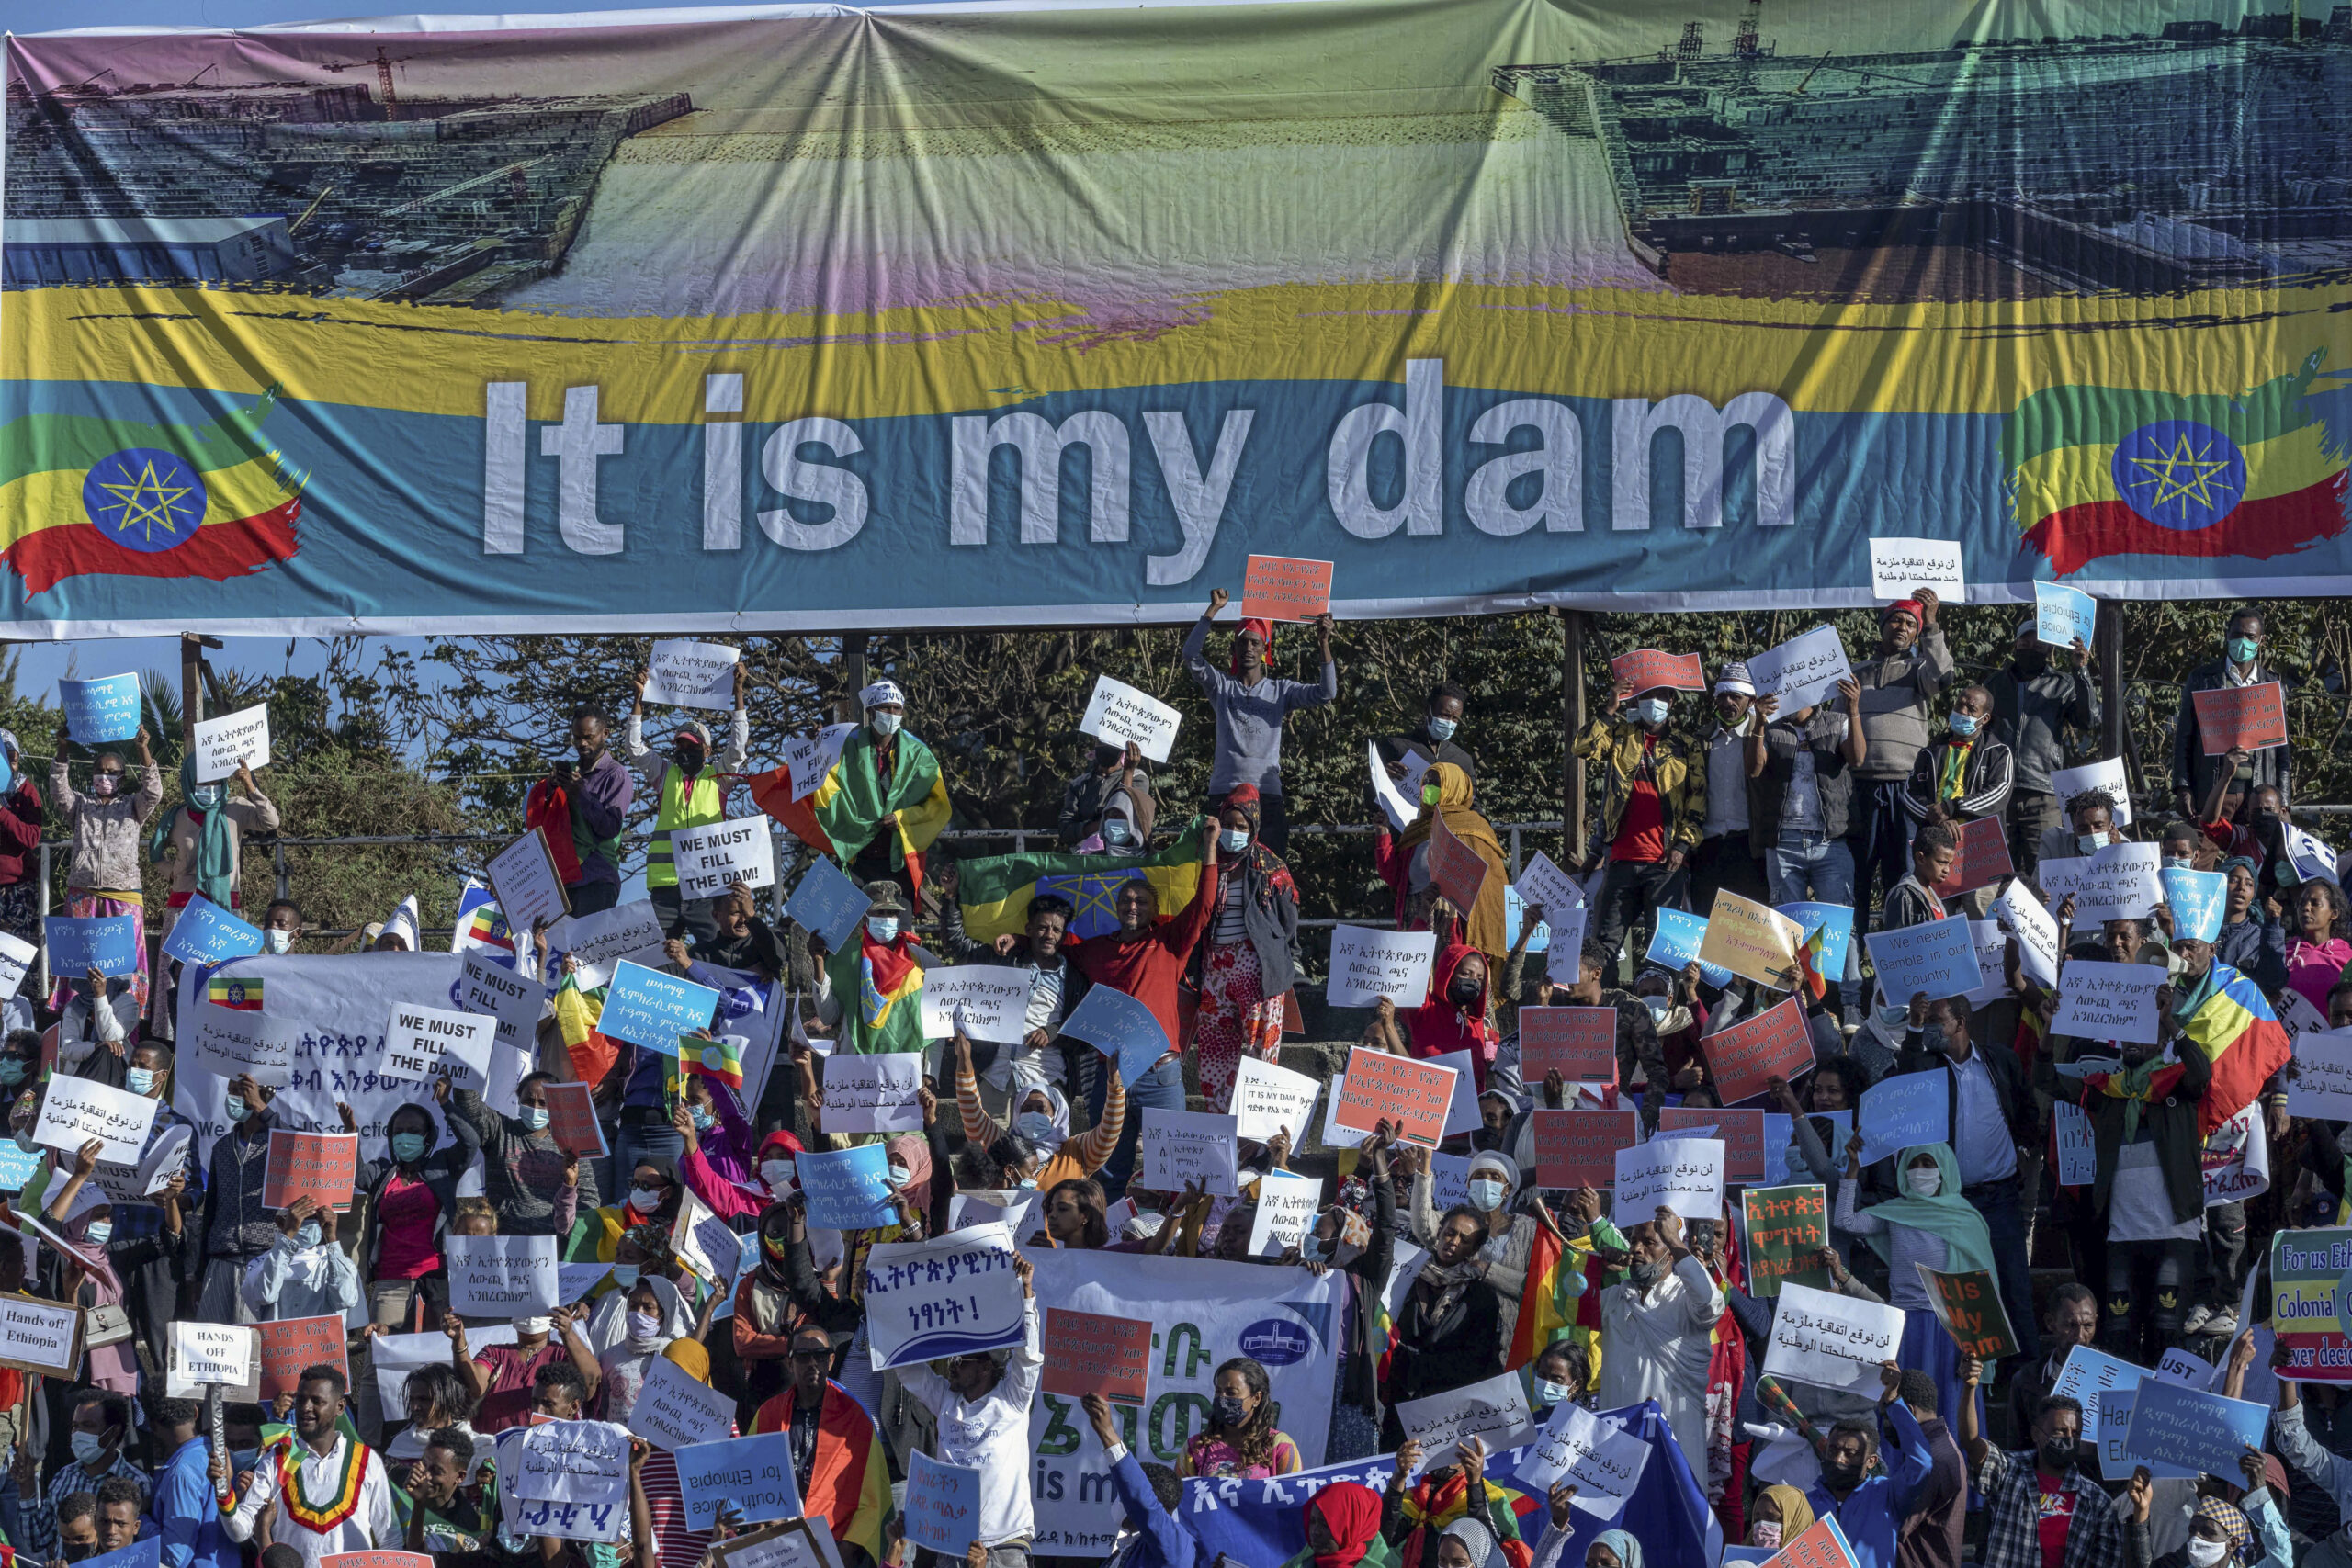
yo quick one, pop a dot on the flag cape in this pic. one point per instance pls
(849, 1479)
(994, 891)
(841, 817)
(85, 494)
(240, 993)
(2097, 471)
(1809, 957)
(2242, 1038)
(885, 1016)
(720, 1060)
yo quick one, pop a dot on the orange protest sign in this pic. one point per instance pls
(1742, 1133)
(376, 1559)
(321, 1167)
(1277, 588)
(1578, 1148)
(1459, 871)
(1089, 1353)
(1775, 1043)
(1411, 1095)
(1984, 858)
(1823, 1545)
(1580, 1042)
(572, 1118)
(1647, 669)
(2252, 717)
(291, 1344)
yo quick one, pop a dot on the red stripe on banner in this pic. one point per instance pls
(217, 551)
(2272, 525)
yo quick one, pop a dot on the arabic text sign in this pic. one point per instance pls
(1685, 1175)
(1675, 945)
(527, 886)
(571, 1461)
(78, 944)
(957, 1295)
(1178, 1147)
(1776, 1043)
(100, 710)
(1580, 1043)
(1412, 1096)
(1580, 1148)
(753, 1476)
(2322, 1086)
(828, 904)
(626, 930)
(2107, 1001)
(1278, 588)
(1969, 1306)
(1087, 1353)
(317, 1166)
(1937, 957)
(691, 674)
(650, 1009)
(1117, 713)
(1983, 858)
(234, 741)
(1903, 1111)
(204, 932)
(73, 1111)
(1602, 1463)
(993, 1000)
(502, 1276)
(2241, 717)
(1802, 671)
(1647, 669)
(2064, 616)
(422, 1042)
(716, 856)
(1752, 940)
(230, 1041)
(872, 1093)
(1832, 1341)
(1785, 1225)
(2018, 912)
(1495, 1412)
(1899, 566)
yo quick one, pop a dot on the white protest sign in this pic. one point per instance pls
(1832, 1341)
(872, 1093)
(73, 1111)
(1286, 1207)
(691, 674)
(2118, 882)
(1180, 1146)
(812, 757)
(1367, 965)
(416, 1040)
(155, 1170)
(233, 740)
(16, 961)
(397, 1355)
(2107, 1001)
(2077, 1145)
(907, 1281)
(1685, 1175)
(1461, 1112)
(226, 1041)
(1495, 1412)
(1898, 566)
(1802, 671)
(992, 998)
(2299, 1019)
(2021, 915)
(675, 1408)
(2321, 1086)
(2067, 782)
(502, 1276)
(528, 888)
(714, 857)
(2189, 1371)
(1117, 712)
(1541, 882)
(2236, 1158)
(1400, 806)
(219, 1353)
(600, 941)
(512, 1001)
(1992, 946)
(571, 1461)
(40, 1336)
(1267, 1099)
(1602, 1460)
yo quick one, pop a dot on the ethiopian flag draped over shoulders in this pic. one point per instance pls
(841, 817)
(2097, 471)
(2236, 1029)
(876, 984)
(82, 494)
(993, 892)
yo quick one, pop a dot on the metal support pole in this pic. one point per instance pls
(47, 981)
(1572, 721)
(277, 865)
(2115, 722)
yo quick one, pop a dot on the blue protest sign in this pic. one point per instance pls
(17, 1165)
(2062, 615)
(147, 1554)
(2172, 1424)
(2197, 900)
(829, 904)
(1512, 905)
(1839, 918)
(1780, 1139)
(751, 1475)
(1676, 946)
(943, 1509)
(650, 1009)
(1117, 1025)
(101, 710)
(847, 1188)
(1909, 1108)
(204, 932)
(1935, 956)
(105, 942)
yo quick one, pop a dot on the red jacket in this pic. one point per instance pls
(21, 823)
(1150, 968)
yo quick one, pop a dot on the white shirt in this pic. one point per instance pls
(2139, 1207)
(1801, 804)
(991, 1433)
(1981, 1137)
(1658, 1349)
(372, 1524)
(1727, 781)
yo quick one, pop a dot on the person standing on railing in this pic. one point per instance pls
(1250, 704)
(102, 877)
(2043, 692)
(1899, 689)
(691, 794)
(582, 808)
(2240, 665)
(202, 841)
(20, 824)
(1654, 806)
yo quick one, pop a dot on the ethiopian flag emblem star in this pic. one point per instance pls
(720, 1060)
(2097, 471)
(83, 495)
(233, 991)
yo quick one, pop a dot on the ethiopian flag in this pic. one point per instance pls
(81, 495)
(994, 892)
(841, 817)
(720, 1060)
(2096, 471)
(2241, 1037)
(1546, 1312)
(236, 991)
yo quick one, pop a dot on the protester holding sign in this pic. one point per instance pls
(1656, 1331)
(2041, 697)
(1250, 703)
(1404, 863)
(1449, 1334)
(202, 841)
(1108, 807)
(582, 808)
(1504, 1256)
(1038, 1148)
(2044, 1506)
(84, 1216)
(1432, 737)
(306, 1274)
(536, 1186)
(1932, 1224)
(103, 875)
(2240, 666)
(1899, 688)
(1730, 852)
(1653, 806)
(983, 1413)
(1248, 958)
(1803, 794)
(687, 779)
(1966, 774)
(237, 1226)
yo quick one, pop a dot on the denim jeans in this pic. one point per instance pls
(635, 1141)
(2004, 1216)
(1806, 867)
(1161, 1089)
(1881, 836)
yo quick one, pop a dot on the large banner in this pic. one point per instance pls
(1202, 1314)
(997, 317)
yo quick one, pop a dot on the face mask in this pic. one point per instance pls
(2057, 1456)
(2205, 1554)
(625, 1275)
(140, 1080)
(100, 1232)
(2242, 649)
(1924, 1183)
(1441, 730)
(2179, 863)
(1114, 830)
(1963, 725)
(1659, 1007)
(534, 1117)
(900, 1176)
(1644, 1274)
(1034, 1125)
(12, 1070)
(643, 1325)
(1766, 1533)
(1027, 1184)
(238, 1110)
(1233, 840)
(1840, 1477)
(306, 1237)
(276, 940)
(1432, 794)
(1651, 711)
(645, 1200)
(1552, 1392)
(1230, 1412)
(530, 1326)
(89, 1447)
(243, 1460)
(689, 759)
(1894, 1017)
(1311, 1248)
(882, 928)
(105, 785)
(1487, 1194)
(777, 1173)
(205, 797)
(408, 1147)
(703, 1120)
(75, 1552)
(886, 725)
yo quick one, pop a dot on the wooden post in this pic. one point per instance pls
(853, 668)
(1572, 725)
(2115, 726)
(191, 689)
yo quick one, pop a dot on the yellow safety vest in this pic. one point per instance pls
(684, 805)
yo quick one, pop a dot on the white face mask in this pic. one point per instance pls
(882, 928)
(275, 939)
(643, 1326)
(900, 1176)
(1487, 1193)
(886, 725)
(645, 1200)
(2179, 862)
(2205, 1554)
(530, 1326)
(1651, 711)
(1924, 1183)
(778, 1173)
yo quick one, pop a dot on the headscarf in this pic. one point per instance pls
(1057, 1111)
(1485, 923)
(914, 1151)
(1351, 1513)
(667, 1167)
(1947, 1214)
(404, 920)
(215, 841)
(1797, 1514)
(1476, 1539)
(1495, 1160)
(608, 1325)
(2233, 1523)
(1439, 1027)
(1265, 630)
(690, 1357)
(1628, 1549)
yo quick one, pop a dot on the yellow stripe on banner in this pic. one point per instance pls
(2077, 476)
(986, 922)
(2218, 1025)
(923, 822)
(52, 498)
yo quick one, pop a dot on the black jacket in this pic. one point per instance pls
(2173, 1121)
(440, 1167)
(1834, 781)
(1984, 780)
(1438, 1353)
(2192, 770)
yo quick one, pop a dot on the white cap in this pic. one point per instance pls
(1735, 679)
(881, 691)
(403, 921)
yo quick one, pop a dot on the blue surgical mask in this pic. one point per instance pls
(1441, 730)
(12, 1069)
(89, 1447)
(2090, 843)
(140, 1080)
(99, 1232)
(408, 1147)
(1311, 1248)
(1488, 1193)
(204, 798)
(308, 1237)
(1659, 1007)
(1651, 711)
(2242, 649)
(625, 1275)
(243, 1460)
(882, 928)
(1114, 830)
(1027, 1184)
(1547, 1394)
(534, 1117)
(2179, 862)
(1034, 1125)
(1895, 1015)
(237, 1107)
(703, 1120)
(1963, 725)
(1233, 840)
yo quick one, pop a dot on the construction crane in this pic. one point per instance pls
(383, 76)
(296, 225)
(1823, 63)
(513, 171)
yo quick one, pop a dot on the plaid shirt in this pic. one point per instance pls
(40, 1514)
(2094, 1540)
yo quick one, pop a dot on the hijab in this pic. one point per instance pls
(216, 839)
(1484, 924)
(1351, 1513)
(1797, 1514)
(690, 1357)
(914, 1152)
(1502, 1163)
(608, 1325)
(1628, 1549)
(1476, 1538)
(1947, 1214)
(1439, 1026)
(1056, 1110)
(667, 1209)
